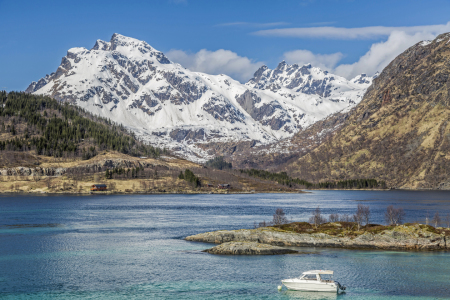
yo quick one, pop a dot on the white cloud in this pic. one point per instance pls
(340, 33)
(216, 62)
(376, 59)
(323, 61)
(381, 54)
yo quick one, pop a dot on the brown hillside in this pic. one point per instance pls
(399, 132)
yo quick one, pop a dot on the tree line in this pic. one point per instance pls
(53, 128)
(218, 163)
(124, 173)
(189, 176)
(285, 179)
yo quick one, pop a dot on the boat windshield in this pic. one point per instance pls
(309, 277)
(326, 277)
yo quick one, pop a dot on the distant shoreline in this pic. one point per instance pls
(306, 191)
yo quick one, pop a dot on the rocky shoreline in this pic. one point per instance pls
(248, 248)
(402, 237)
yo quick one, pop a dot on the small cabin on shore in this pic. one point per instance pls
(98, 187)
(210, 185)
(224, 186)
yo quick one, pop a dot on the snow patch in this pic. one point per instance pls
(169, 106)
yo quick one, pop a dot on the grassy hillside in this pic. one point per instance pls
(399, 133)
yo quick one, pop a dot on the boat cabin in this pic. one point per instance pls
(98, 187)
(318, 275)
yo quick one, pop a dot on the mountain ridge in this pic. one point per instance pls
(399, 132)
(167, 105)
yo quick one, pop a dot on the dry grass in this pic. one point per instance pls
(159, 176)
(349, 229)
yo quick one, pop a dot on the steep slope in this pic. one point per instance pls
(42, 125)
(399, 132)
(273, 157)
(167, 105)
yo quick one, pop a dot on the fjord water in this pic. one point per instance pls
(132, 247)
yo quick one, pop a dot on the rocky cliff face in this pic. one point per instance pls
(167, 105)
(399, 132)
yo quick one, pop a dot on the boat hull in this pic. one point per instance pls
(309, 286)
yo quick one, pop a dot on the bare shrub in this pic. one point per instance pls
(362, 215)
(358, 217)
(365, 209)
(436, 219)
(447, 221)
(333, 218)
(262, 224)
(316, 219)
(49, 182)
(279, 218)
(345, 218)
(394, 216)
(143, 185)
(36, 177)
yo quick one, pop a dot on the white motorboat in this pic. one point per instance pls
(314, 281)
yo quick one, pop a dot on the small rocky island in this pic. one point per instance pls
(410, 236)
(248, 248)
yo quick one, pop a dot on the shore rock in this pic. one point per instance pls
(248, 248)
(399, 238)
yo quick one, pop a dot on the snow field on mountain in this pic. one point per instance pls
(129, 82)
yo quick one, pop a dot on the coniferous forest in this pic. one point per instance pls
(285, 179)
(218, 163)
(51, 128)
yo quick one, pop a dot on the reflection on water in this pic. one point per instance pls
(311, 295)
(30, 225)
(132, 247)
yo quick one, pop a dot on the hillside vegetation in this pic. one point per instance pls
(399, 132)
(51, 128)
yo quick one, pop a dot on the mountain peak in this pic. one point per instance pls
(281, 65)
(121, 41)
(120, 37)
(101, 45)
(165, 104)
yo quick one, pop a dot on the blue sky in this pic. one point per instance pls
(342, 36)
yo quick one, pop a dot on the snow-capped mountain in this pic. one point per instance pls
(167, 105)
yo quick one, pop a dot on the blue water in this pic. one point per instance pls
(132, 247)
